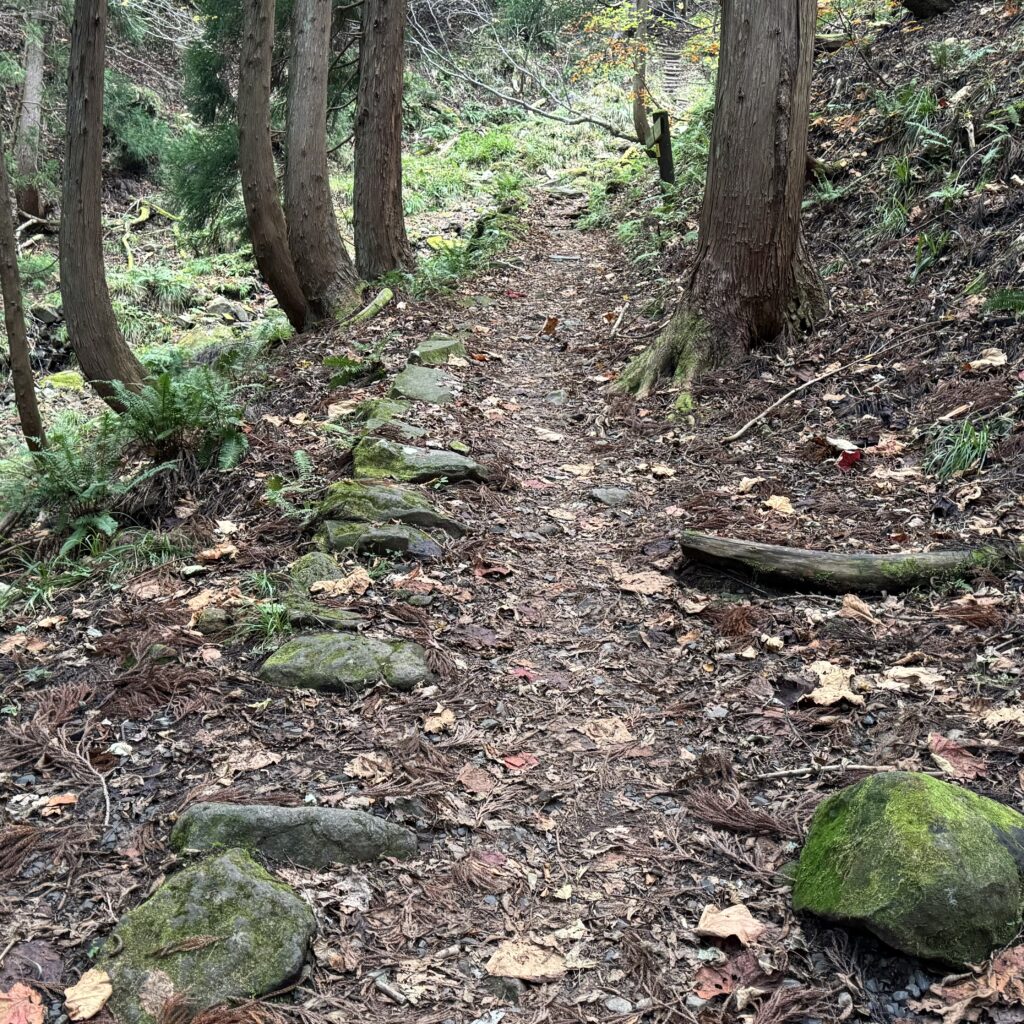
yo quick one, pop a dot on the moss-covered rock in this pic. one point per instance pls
(356, 502)
(375, 413)
(930, 868)
(314, 837)
(437, 350)
(314, 567)
(375, 459)
(207, 335)
(222, 929)
(336, 663)
(387, 541)
(421, 384)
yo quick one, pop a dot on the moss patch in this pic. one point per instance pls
(931, 868)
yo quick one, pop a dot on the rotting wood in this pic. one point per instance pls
(839, 572)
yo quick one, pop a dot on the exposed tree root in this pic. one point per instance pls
(678, 353)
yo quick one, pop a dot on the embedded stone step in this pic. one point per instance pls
(219, 931)
(437, 350)
(342, 663)
(314, 837)
(358, 502)
(422, 384)
(386, 541)
(376, 458)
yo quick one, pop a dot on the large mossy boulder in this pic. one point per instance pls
(932, 869)
(336, 663)
(437, 350)
(354, 501)
(314, 837)
(375, 458)
(422, 384)
(218, 931)
(391, 540)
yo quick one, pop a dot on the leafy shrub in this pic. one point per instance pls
(134, 124)
(201, 175)
(194, 411)
(79, 480)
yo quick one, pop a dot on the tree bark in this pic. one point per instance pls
(641, 94)
(325, 269)
(92, 327)
(30, 117)
(381, 242)
(752, 277)
(14, 319)
(263, 209)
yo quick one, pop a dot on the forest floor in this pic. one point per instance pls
(618, 741)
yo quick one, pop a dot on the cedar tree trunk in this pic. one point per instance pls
(326, 271)
(641, 122)
(92, 326)
(30, 117)
(752, 279)
(14, 319)
(381, 242)
(256, 162)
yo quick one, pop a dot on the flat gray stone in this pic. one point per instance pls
(314, 837)
(435, 351)
(341, 663)
(376, 458)
(613, 497)
(221, 930)
(358, 502)
(385, 541)
(421, 384)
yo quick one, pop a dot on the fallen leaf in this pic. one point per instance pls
(607, 732)
(1004, 716)
(855, 608)
(56, 804)
(661, 471)
(441, 720)
(226, 528)
(740, 971)
(225, 549)
(21, 1005)
(476, 779)
(735, 922)
(833, 685)
(990, 358)
(551, 436)
(953, 759)
(50, 622)
(748, 483)
(842, 444)
(375, 767)
(145, 590)
(89, 996)
(580, 469)
(647, 583)
(782, 505)
(355, 583)
(914, 674)
(525, 961)
(521, 762)
(550, 326)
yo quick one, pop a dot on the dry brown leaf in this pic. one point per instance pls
(89, 996)
(520, 959)
(551, 436)
(990, 358)
(225, 549)
(441, 720)
(21, 1005)
(355, 583)
(662, 472)
(1004, 716)
(647, 583)
(833, 685)
(748, 483)
(780, 504)
(855, 608)
(578, 469)
(953, 759)
(914, 674)
(376, 767)
(476, 779)
(607, 732)
(735, 922)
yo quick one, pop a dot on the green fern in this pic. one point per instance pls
(1008, 300)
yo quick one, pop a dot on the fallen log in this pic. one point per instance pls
(839, 572)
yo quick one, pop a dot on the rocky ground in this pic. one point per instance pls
(589, 750)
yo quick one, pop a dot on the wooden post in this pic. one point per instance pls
(663, 141)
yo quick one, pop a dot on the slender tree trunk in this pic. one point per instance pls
(752, 279)
(92, 326)
(30, 117)
(256, 161)
(641, 94)
(14, 319)
(326, 271)
(381, 242)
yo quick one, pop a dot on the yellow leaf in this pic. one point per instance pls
(780, 504)
(524, 960)
(89, 996)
